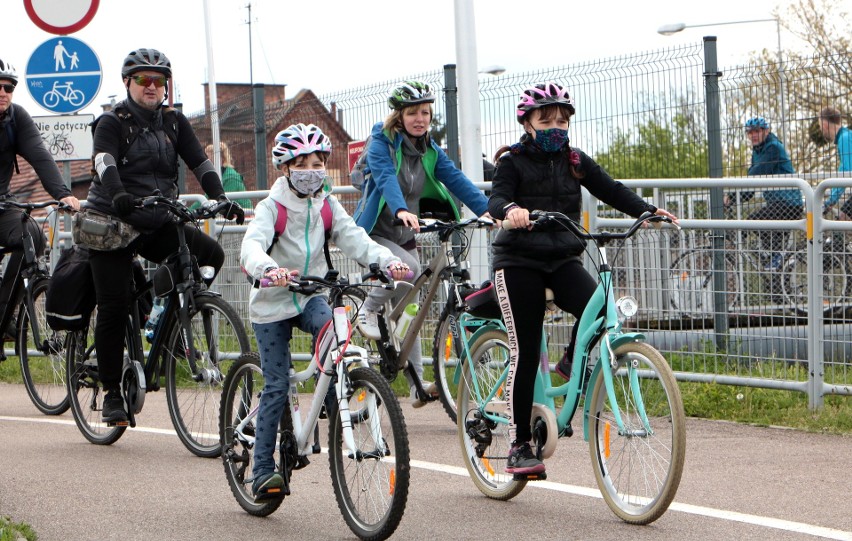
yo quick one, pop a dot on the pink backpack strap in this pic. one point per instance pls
(280, 219)
(326, 216)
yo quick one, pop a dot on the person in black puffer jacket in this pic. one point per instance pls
(148, 165)
(542, 172)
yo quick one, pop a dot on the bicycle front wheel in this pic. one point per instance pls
(638, 467)
(370, 481)
(85, 393)
(194, 396)
(240, 398)
(485, 441)
(43, 363)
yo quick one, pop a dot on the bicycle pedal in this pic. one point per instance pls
(118, 423)
(530, 476)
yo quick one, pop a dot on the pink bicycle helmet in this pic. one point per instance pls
(540, 95)
(296, 140)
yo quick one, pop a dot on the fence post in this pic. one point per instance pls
(451, 103)
(259, 135)
(714, 155)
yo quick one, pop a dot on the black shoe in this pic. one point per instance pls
(522, 460)
(11, 332)
(113, 410)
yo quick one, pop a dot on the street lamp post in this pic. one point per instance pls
(670, 29)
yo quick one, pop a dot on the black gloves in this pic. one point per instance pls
(232, 211)
(124, 203)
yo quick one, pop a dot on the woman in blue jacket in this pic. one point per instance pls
(411, 175)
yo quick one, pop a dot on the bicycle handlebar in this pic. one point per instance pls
(540, 217)
(33, 206)
(430, 225)
(180, 210)
(311, 284)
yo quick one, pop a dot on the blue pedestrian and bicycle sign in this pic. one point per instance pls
(63, 75)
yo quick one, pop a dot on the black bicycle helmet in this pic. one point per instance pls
(7, 71)
(146, 60)
(410, 93)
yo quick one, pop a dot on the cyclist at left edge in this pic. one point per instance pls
(20, 136)
(148, 164)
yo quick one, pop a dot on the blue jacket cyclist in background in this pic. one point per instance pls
(769, 157)
(148, 165)
(411, 176)
(20, 136)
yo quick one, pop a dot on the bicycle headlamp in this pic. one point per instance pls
(627, 307)
(207, 272)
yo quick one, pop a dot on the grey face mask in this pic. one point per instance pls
(306, 182)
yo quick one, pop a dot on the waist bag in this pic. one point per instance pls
(101, 231)
(71, 294)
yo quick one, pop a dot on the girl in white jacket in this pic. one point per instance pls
(301, 152)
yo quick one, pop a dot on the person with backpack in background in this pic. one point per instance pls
(136, 149)
(409, 176)
(286, 238)
(19, 136)
(543, 172)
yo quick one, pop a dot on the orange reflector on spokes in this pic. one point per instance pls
(448, 346)
(362, 395)
(606, 439)
(487, 464)
(392, 482)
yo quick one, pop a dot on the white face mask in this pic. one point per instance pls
(307, 181)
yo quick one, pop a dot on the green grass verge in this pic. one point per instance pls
(15, 531)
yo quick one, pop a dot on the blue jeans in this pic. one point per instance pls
(273, 343)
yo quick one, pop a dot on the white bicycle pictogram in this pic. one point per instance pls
(64, 92)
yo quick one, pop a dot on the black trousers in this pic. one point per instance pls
(11, 230)
(520, 291)
(114, 285)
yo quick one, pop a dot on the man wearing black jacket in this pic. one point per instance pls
(19, 136)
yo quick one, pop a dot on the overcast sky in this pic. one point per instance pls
(334, 45)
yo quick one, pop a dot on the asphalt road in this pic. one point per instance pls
(739, 482)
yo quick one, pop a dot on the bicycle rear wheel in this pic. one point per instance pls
(638, 469)
(485, 441)
(194, 397)
(691, 279)
(240, 396)
(834, 281)
(42, 364)
(85, 393)
(371, 481)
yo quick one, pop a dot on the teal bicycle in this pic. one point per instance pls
(632, 411)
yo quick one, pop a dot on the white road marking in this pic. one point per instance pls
(733, 516)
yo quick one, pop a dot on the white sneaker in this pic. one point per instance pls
(428, 386)
(368, 324)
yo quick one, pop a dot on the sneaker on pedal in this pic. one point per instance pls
(563, 367)
(268, 487)
(368, 324)
(431, 390)
(113, 409)
(522, 460)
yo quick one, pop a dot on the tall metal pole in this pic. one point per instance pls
(781, 85)
(214, 100)
(251, 58)
(451, 104)
(714, 155)
(470, 128)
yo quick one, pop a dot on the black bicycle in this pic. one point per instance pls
(40, 349)
(196, 339)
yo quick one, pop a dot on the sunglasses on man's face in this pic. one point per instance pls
(9, 88)
(146, 80)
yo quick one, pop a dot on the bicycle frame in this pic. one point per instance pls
(598, 325)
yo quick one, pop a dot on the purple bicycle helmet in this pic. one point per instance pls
(541, 95)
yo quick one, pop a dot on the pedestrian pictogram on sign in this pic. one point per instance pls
(63, 75)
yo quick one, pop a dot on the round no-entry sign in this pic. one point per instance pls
(61, 18)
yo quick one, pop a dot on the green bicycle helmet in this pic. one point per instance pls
(410, 93)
